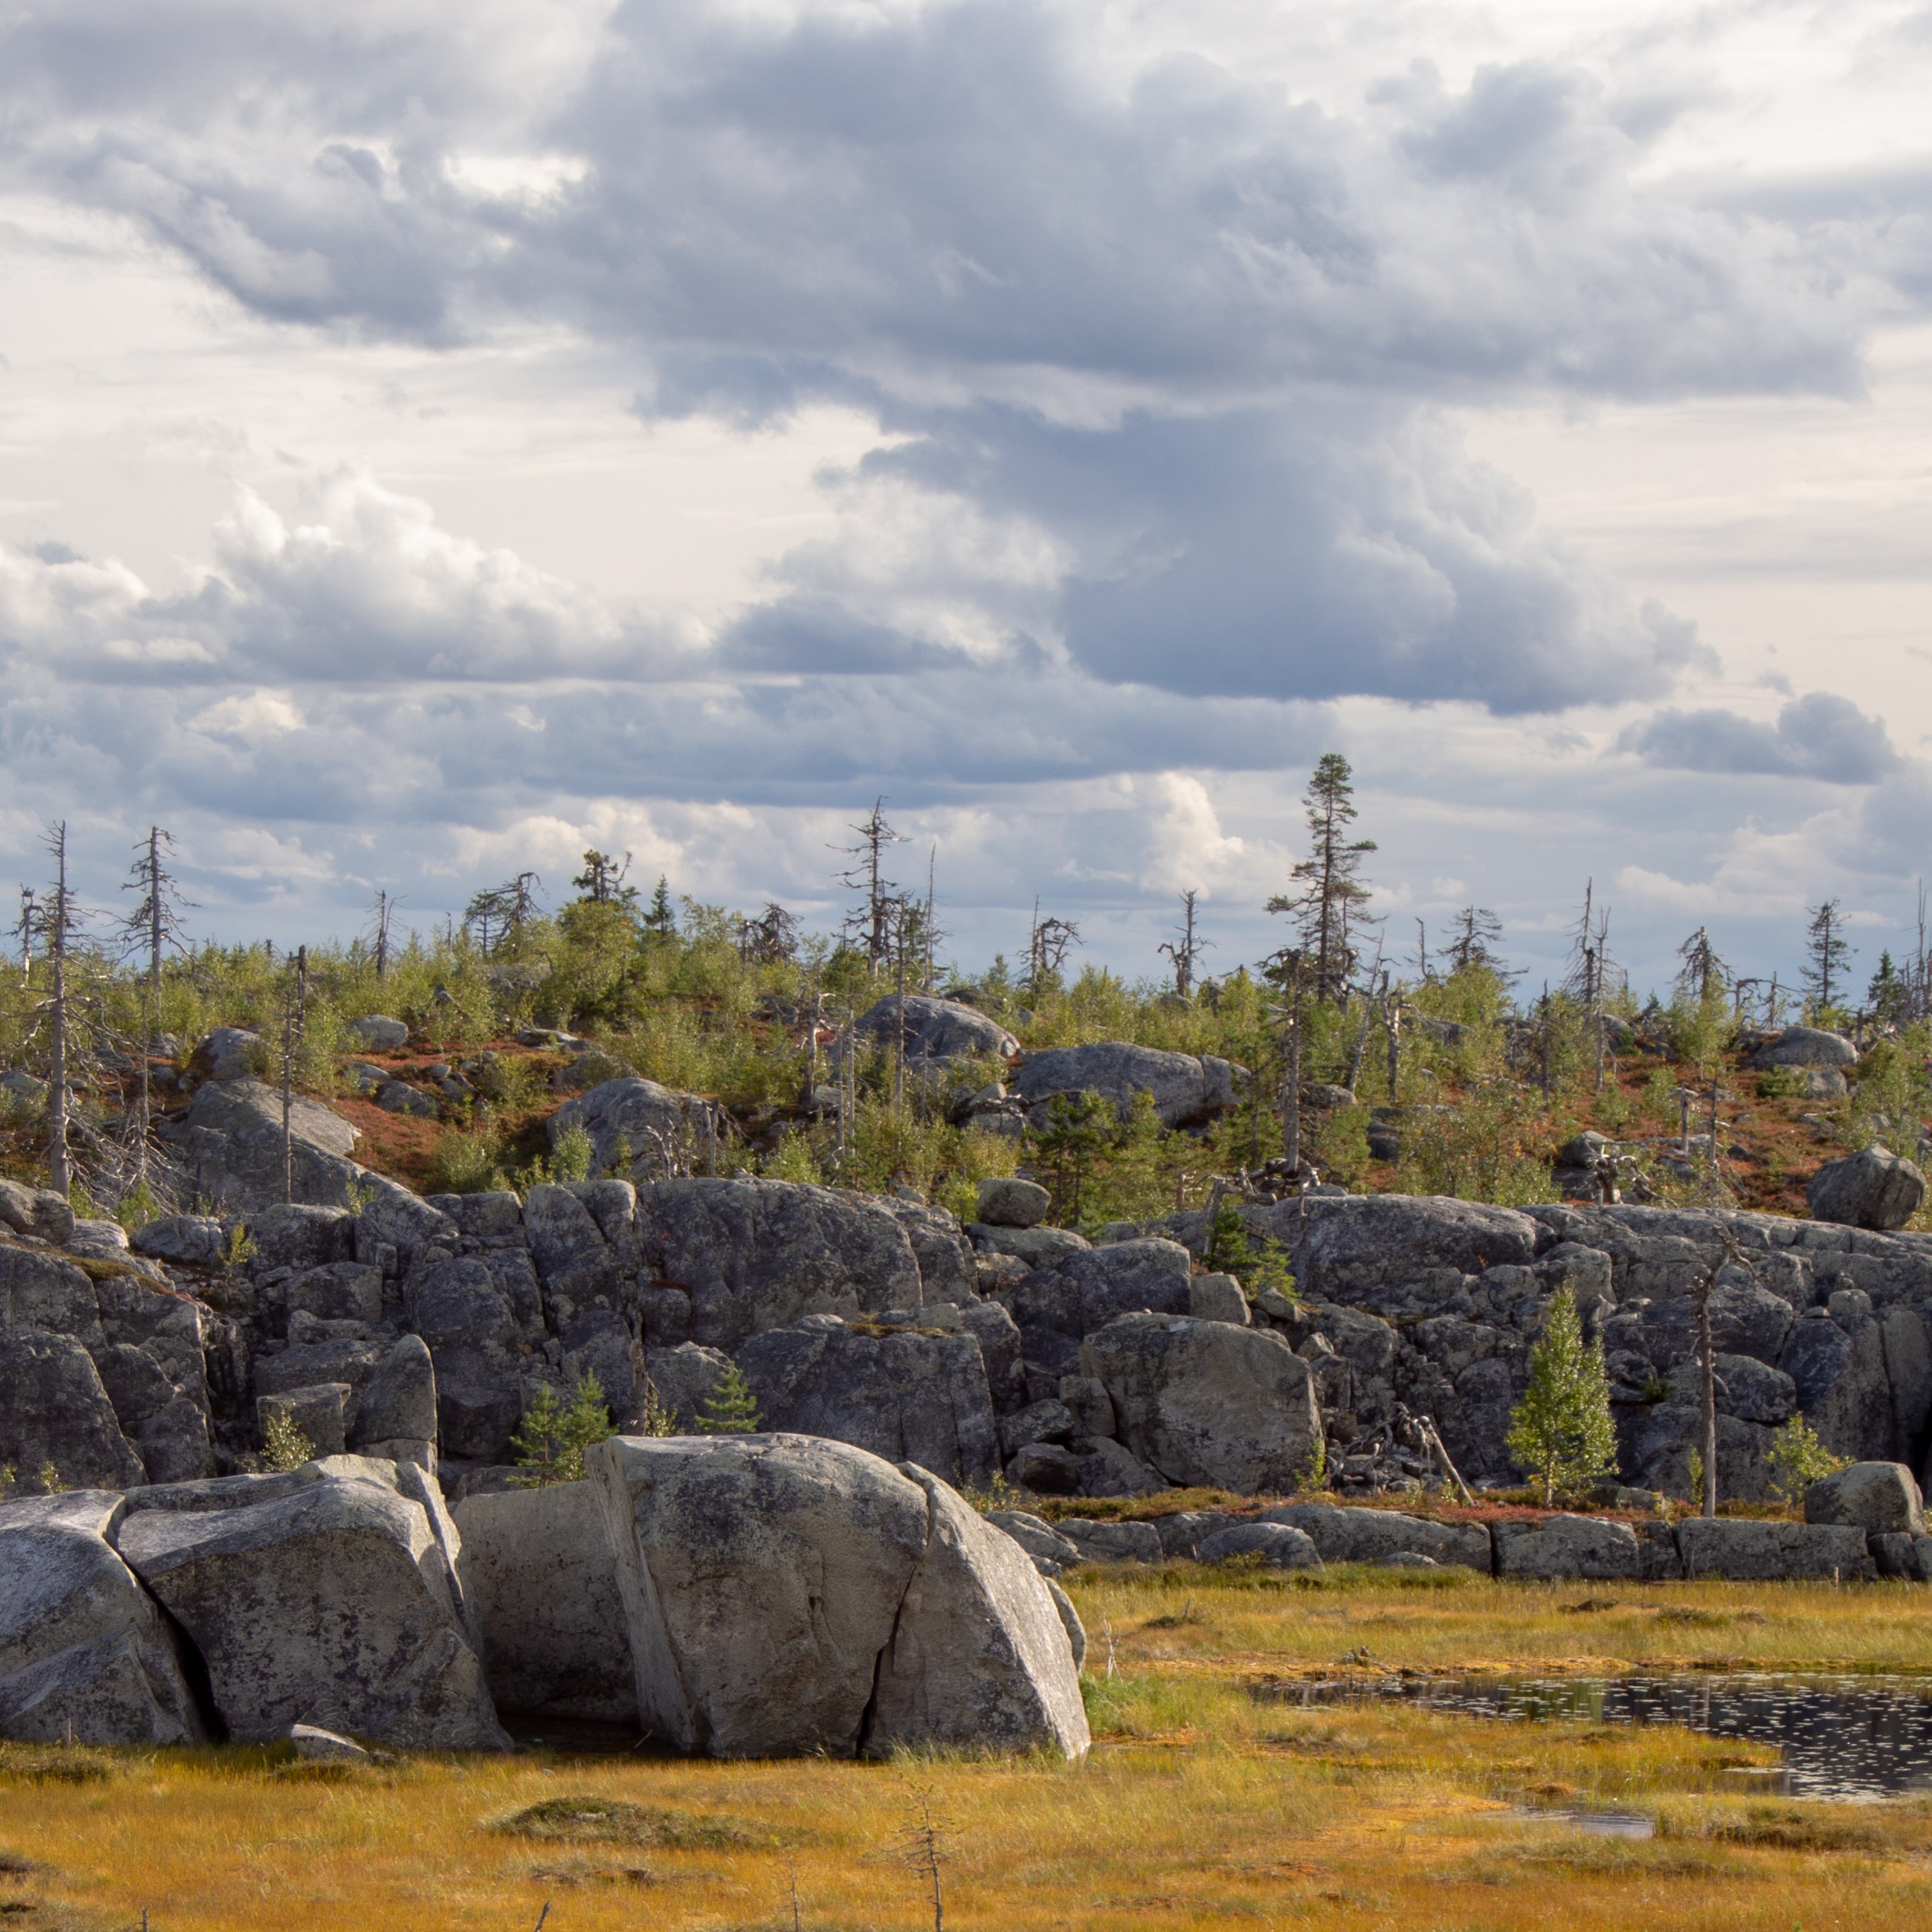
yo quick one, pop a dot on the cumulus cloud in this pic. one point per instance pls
(1819, 735)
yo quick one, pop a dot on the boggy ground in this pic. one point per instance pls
(1203, 1803)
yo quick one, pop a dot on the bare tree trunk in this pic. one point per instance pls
(1291, 1086)
(60, 1174)
(293, 1014)
(899, 1022)
(1707, 1378)
(1392, 1019)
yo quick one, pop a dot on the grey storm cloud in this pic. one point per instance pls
(1820, 736)
(1189, 329)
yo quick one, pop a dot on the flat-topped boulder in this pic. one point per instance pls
(1187, 1089)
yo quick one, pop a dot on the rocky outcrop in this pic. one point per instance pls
(1806, 1046)
(1880, 1498)
(229, 1141)
(1057, 1306)
(1187, 1091)
(1278, 1546)
(55, 1413)
(1741, 1551)
(907, 1394)
(330, 1601)
(826, 1540)
(84, 1653)
(1567, 1546)
(752, 1255)
(1359, 1536)
(637, 1129)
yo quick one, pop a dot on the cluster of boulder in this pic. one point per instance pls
(343, 1598)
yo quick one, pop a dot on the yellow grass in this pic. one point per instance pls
(1203, 1804)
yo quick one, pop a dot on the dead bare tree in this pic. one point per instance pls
(385, 912)
(1185, 949)
(870, 923)
(295, 1012)
(55, 920)
(154, 925)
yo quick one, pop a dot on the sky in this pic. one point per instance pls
(436, 437)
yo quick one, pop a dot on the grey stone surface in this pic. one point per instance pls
(229, 1053)
(1057, 1305)
(1218, 1298)
(1877, 1498)
(43, 1291)
(378, 1033)
(1747, 1551)
(313, 1745)
(37, 1211)
(1838, 1369)
(479, 1354)
(979, 1658)
(400, 1398)
(188, 1240)
(1045, 1469)
(1111, 1543)
(83, 1651)
(1344, 1535)
(686, 1377)
(823, 1537)
(907, 1395)
(1070, 1621)
(1280, 1545)
(1558, 1546)
(631, 1123)
(948, 1270)
(1207, 1403)
(1051, 1552)
(316, 1411)
(53, 1408)
(540, 1582)
(1806, 1046)
(329, 1605)
(1355, 1250)
(758, 1254)
(1874, 1188)
(1036, 1247)
(1185, 1091)
(935, 1031)
(1012, 1204)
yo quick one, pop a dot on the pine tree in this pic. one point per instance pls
(1827, 958)
(730, 1409)
(1475, 930)
(1701, 974)
(662, 918)
(1332, 893)
(1561, 1432)
(551, 1439)
(601, 879)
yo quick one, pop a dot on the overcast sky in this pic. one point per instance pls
(435, 437)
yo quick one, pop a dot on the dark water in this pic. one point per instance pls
(1841, 1737)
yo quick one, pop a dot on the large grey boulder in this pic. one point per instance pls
(1358, 1536)
(400, 1402)
(634, 1125)
(845, 1656)
(758, 1254)
(1207, 1403)
(1035, 1247)
(1187, 1091)
(378, 1033)
(538, 1575)
(1056, 1306)
(1742, 1551)
(1005, 1202)
(329, 1603)
(229, 1144)
(1874, 1188)
(39, 1290)
(55, 1410)
(242, 1107)
(1806, 1046)
(1051, 1551)
(1561, 1547)
(1837, 1367)
(935, 1032)
(979, 1658)
(187, 1240)
(821, 1537)
(84, 1653)
(906, 1394)
(227, 1054)
(1880, 1498)
(37, 1211)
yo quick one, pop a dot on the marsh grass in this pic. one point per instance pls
(1202, 1803)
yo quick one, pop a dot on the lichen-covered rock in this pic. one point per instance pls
(1878, 1497)
(1010, 1203)
(1874, 1188)
(906, 1394)
(1207, 1403)
(1742, 1551)
(1806, 1046)
(934, 1032)
(1358, 1536)
(821, 1537)
(1355, 1249)
(758, 1254)
(400, 1400)
(478, 1351)
(1559, 1546)
(328, 1604)
(637, 1129)
(54, 1410)
(1059, 1305)
(1185, 1091)
(979, 1658)
(1279, 1546)
(947, 1269)
(538, 1575)
(84, 1653)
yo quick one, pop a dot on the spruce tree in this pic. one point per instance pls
(1561, 1432)
(1827, 958)
(1331, 894)
(730, 1409)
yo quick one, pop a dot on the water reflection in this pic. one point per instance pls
(1843, 1737)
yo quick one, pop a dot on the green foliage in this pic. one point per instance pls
(996, 1493)
(137, 1206)
(284, 1444)
(51, 1482)
(239, 1249)
(1798, 1459)
(654, 1417)
(1781, 1084)
(570, 1157)
(468, 1161)
(1259, 1263)
(1491, 1147)
(549, 1441)
(1894, 1094)
(9, 1481)
(730, 1409)
(1079, 1128)
(1561, 1432)
(793, 1159)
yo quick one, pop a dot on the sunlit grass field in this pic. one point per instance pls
(1207, 1801)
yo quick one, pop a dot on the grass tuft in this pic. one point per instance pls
(590, 1820)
